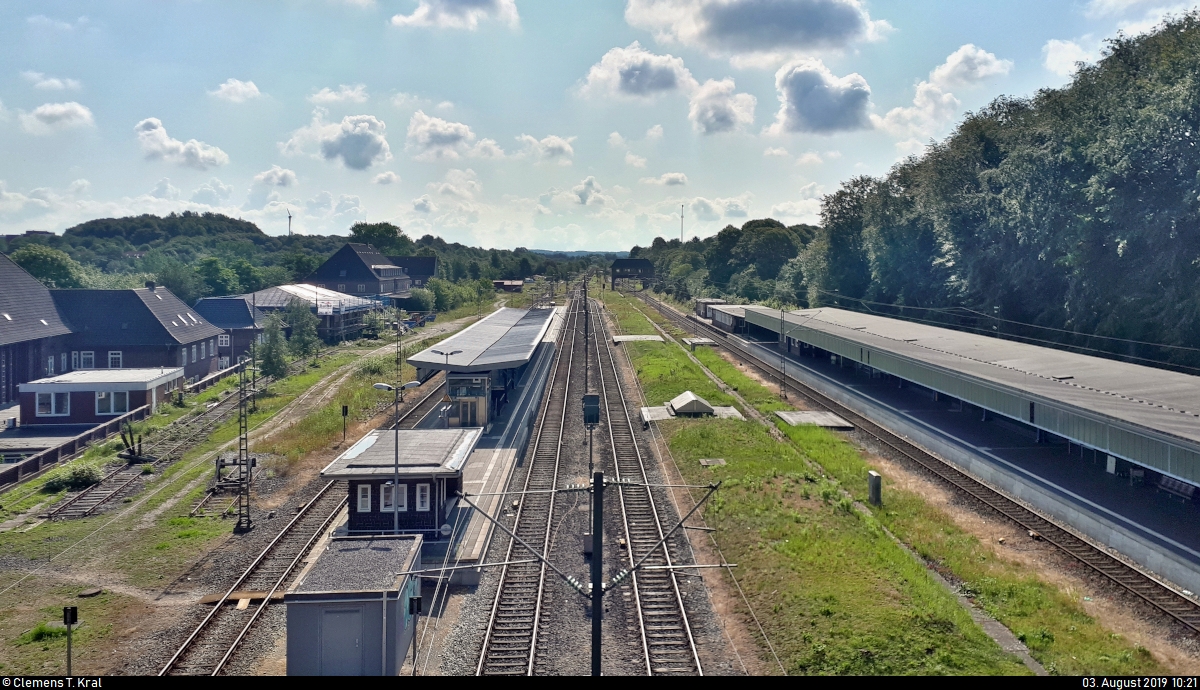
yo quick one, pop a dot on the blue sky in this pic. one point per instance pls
(556, 125)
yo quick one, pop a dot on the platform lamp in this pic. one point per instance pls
(396, 468)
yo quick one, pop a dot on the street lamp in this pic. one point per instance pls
(446, 355)
(396, 428)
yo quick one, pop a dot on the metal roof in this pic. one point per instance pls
(1165, 401)
(731, 309)
(27, 311)
(506, 338)
(115, 379)
(688, 402)
(279, 296)
(126, 318)
(233, 311)
(423, 452)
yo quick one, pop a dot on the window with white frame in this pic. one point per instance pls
(193, 354)
(364, 498)
(53, 404)
(64, 362)
(341, 287)
(112, 402)
(50, 366)
(212, 348)
(87, 360)
(422, 497)
(115, 359)
(362, 287)
(202, 351)
(385, 497)
(183, 357)
(224, 363)
(75, 359)
(223, 341)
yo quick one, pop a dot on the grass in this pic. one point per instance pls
(769, 483)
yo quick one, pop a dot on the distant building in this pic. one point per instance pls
(33, 338)
(509, 285)
(144, 327)
(360, 270)
(341, 315)
(419, 268)
(633, 269)
(241, 320)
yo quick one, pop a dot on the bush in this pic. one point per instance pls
(74, 479)
(41, 632)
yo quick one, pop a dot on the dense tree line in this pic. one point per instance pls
(1071, 216)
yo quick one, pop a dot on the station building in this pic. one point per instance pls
(489, 358)
(728, 317)
(94, 396)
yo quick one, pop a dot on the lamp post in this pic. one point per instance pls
(396, 466)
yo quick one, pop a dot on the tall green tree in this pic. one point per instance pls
(272, 354)
(385, 237)
(55, 268)
(304, 340)
(220, 279)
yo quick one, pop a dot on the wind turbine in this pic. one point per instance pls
(289, 222)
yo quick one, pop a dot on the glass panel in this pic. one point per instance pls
(62, 403)
(87, 360)
(120, 402)
(422, 497)
(45, 404)
(364, 498)
(385, 499)
(103, 403)
(403, 496)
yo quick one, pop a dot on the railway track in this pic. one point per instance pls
(510, 643)
(214, 642)
(1141, 585)
(667, 640)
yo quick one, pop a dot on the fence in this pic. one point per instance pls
(15, 472)
(212, 379)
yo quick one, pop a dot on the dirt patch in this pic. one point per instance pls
(1010, 543)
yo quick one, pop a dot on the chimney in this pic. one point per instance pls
(150, 285)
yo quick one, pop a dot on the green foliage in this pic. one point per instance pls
(272, 360)
(304, 340)
(54, 268)
(385, 237)
(76, 478)
(422, 300)
(40, 632)
(219, 279)
(448, 296)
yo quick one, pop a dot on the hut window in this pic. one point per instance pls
(364, 498)
(422, 497)
(385, 496)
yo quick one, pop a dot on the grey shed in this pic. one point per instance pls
(689, 404)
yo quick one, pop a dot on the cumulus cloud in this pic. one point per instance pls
(1061, 57)
(775, 152)
(740, 27)
(157, 144)
(41, 20)
(263, 189)
(671, 179)
(359, 141)
(805, 208)
(424, 204)
(386, 178)
(714, 107)
(344, 94)
(635, 72)
(714, 209)
(933, 104)
(458, 184)
(459, 14)
(432, 138)
(810, 158)
(236, 91)
(53, 117)
(47, 83)
(324, 205)
(616, 141)
(213, 193)
(654, 133)
(634, 161)
(165, 190)
(590, 193)
(812, 99)
(552, 148)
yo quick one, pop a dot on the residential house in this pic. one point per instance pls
(359, 270)
(91, 397)
(241, 320)
(33, 337)
(419, 268)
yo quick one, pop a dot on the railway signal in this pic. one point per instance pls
(70, 618)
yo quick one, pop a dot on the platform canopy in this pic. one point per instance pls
(424, 452)
(505, 339)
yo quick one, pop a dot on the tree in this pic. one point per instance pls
(56, 269)
(388, 239)
(220, 279)
(304, 341)
(182, 280)
(273, 361)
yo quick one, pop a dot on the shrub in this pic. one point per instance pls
(74, 479)
(41, 632)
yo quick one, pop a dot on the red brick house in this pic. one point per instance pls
(91, 397)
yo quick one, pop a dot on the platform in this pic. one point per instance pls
(814, 418)
(618, 339)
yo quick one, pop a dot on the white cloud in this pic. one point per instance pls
(344, 94)
(41, 20)
(1104, 8)
(714, 209)
(459, 14)
(968, 66)
(53, 117)
(432, 138)
(671, 179)
(747, 27)
(157, 144)
(263, 188)
(805, 208)
(445, 105)
(714, 107)
(458, 184)
(775, 152)
(359, 141)
(1060, 57)
(812, 99)
(213, 193)
(590, 193)
(47, 83)
(635, 72)
(323, 205)
(165, 190)
(388, 177)
(552, 148)
(654, 133)
(616, 141)
(810, 158)
(633, 160)
(424, 204)
(236, 91)
(933, 104)
(407, 101)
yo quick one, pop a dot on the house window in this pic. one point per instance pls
(342, 273)
(224, 363)
(362, 288)
(183, 357)
(87, 360)
(212, 348)
(75, 360)
(385, 496)
(114, 402)
(53, 404)
(341, 287)
(364, 498)
(50, 366)
(223, 340)
(64, 362)
(202, 351)
(422, 498)
(115, 359)
(193, 354)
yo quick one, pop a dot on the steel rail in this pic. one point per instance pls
(1142, 585)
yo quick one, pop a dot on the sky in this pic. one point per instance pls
(503, 123)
